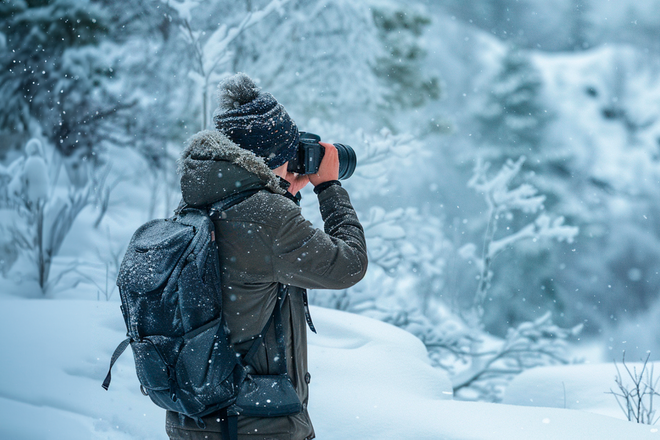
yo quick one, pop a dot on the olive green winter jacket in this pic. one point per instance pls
(263, 241)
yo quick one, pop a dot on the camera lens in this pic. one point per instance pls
(347, 160)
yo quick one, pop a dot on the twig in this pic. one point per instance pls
(636, 401)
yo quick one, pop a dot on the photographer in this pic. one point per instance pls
(265, 243)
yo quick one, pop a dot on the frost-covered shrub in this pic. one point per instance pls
(38, 220)
(635, 391)
(489, 362)
(407, 249)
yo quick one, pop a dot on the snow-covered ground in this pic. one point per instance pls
(585, 387)
(370, 380)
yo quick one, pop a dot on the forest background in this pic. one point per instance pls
(549, 254)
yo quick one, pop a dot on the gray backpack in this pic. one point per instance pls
(171, 296)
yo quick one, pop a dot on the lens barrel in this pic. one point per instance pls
(347, 160)
(310, 154)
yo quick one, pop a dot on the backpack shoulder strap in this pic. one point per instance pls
(222, 205)
(225, 203)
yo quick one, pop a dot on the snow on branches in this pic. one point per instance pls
(488, 363)
(214, 51)
(503, 201)
(492, 363)
(381, 154)
(407, 248)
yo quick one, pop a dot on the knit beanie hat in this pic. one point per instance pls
(255, 120)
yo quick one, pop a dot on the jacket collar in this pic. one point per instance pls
(214, 145)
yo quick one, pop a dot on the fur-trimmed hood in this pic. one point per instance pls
(213, 167)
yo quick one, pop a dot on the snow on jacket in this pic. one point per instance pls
(264, 241)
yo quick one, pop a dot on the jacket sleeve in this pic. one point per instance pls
(313, 259)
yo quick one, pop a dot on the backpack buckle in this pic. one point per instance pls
(214, 214)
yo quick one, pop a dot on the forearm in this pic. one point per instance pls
(334, 259)
(340, 220)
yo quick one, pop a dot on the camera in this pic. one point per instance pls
(310, 153)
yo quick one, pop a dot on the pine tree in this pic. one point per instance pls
(56, 74)
(400, 28)
(514, 117)
(580, 25)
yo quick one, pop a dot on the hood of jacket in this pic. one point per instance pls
(213, 167)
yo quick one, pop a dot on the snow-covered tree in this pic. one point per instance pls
(580, 25)
(489, 362)
(514, 116)
(502, 202)
(325, 68)
(211, 54)
(58, 74)
(400, 27)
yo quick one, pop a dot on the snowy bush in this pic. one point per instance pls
(38, 220)
(491, 362)
(635, 394)
(407, 249)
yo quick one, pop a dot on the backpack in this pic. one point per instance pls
(171, 301)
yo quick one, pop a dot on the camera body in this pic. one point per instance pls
(310, 154)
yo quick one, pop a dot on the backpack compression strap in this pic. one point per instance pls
(308, 315)
(118, 352)
(279, 329)
(228, 425)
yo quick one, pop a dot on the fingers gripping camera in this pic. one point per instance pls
(310, 154)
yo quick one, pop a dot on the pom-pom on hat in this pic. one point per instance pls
(255, 120)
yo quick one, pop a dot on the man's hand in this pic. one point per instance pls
(297, 181)
(329, 168)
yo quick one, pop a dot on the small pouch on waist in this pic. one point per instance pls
(267, 396)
